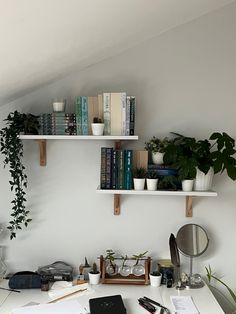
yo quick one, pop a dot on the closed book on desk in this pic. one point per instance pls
(107, 305)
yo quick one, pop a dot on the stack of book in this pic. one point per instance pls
(63, 123)
(116, 169)
(116, 110)
(45, 122)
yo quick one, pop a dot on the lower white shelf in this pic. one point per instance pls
(188, 197)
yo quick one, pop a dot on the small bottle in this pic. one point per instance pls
(44, 284)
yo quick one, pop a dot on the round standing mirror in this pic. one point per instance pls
(192, 241)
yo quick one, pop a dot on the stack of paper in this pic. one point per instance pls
(183, 305)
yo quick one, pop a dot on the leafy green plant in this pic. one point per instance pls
(169, 183)
(152, 175)
(97, 120)
(137, 257)
(12, 148)
(110, 257)
(187, 154)
(211, 275)
(157, 145)
(140, 173)
(124, 259)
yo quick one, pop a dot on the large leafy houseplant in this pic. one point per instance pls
(187, 154)
(12, 149)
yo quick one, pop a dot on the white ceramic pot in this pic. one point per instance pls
(187, 185)
(152, 184)
(155, 281)
(58, 106)
(94, 278)
(139, 184)
(97, 128)
(157, 158)
(203, 182)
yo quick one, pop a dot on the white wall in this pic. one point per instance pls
(184, 81)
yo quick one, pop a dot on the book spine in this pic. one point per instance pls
(121, 170)
(78, 112)
(114, 169)
(132, 115)
(108, 167)
(127, 127)
(123, 113)
(128, 170)
(103, 168)
(84, 115)
(107, 113)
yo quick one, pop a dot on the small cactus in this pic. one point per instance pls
(94, 269)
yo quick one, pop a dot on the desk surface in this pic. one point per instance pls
(203, 298)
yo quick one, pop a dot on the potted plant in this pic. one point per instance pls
(138, 269)
(157, 149)
(139, 178)
(152, 180)
(12, 149)
(111, 268)
(125, 270)
(94, 275)
(205, 157)
(97, 126)
(155, 278)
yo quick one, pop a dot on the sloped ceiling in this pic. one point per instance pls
(44, 40)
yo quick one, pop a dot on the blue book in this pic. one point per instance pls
(78, 112)
(128, 169)
(84, 115)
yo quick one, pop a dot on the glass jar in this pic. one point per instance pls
(166, 268)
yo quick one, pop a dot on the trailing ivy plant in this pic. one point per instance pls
(12, 148)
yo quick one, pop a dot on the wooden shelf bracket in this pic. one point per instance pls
(189, 206)
(116, 204)
(42, 152)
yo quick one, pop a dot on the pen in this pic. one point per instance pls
(13, 290)
(146, 308)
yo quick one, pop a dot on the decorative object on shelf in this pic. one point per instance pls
(97, 126)
(12, 148)
(111, 268)
(125, 270)
(59, 105)
(212, 276)
(94, 275)
(187, 185)
(139, 178)
(188, 155)
(166, 268)
(138, 268)
(152, 180)
(157, 148)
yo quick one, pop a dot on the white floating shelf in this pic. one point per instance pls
(80, 137)
(188, 197)
(42, 139)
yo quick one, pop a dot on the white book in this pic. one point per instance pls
(107, 113)
(117, 112)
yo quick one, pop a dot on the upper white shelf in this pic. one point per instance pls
(79, 137)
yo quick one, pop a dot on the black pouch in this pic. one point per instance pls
(25, 280)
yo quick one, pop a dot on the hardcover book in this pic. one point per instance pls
(107, 305)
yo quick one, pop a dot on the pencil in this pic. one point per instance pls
(67, 295)
(13, 290)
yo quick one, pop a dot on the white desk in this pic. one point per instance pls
(203, 298)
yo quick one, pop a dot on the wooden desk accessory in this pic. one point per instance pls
(130, 279)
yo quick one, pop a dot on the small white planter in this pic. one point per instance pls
(58, 106)
(94, 278)
(155, 281)
(187, 185)
(97, 128)
(139, 184)
(157, 158)
(152, 184)
(203, 182)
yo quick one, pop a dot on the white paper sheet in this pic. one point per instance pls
(62, 307)
(183, 305)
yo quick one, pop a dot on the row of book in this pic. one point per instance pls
(115, 110)
(58, 123)
(116, 169)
